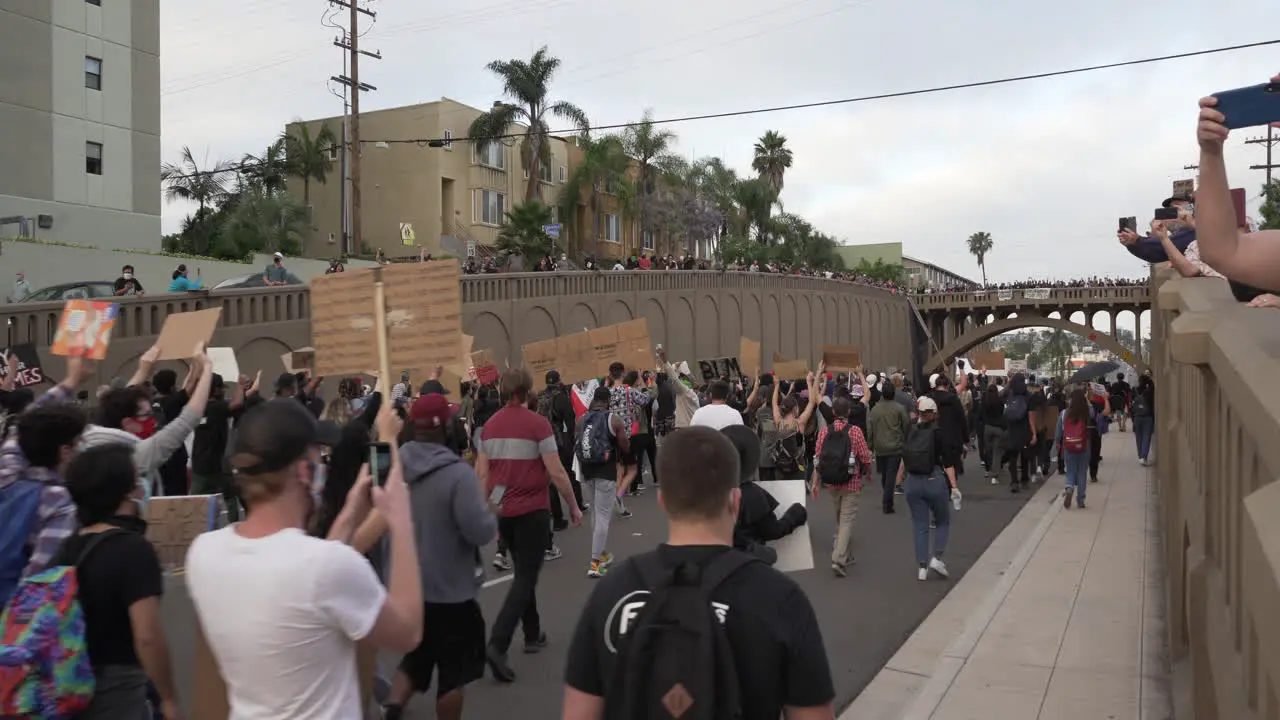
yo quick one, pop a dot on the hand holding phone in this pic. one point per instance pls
(1128, 223)
(1249, 106)
(1169, 213)
(379, 459)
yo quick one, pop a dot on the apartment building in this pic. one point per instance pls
(80, 121)
(922, 274)
(415, 196)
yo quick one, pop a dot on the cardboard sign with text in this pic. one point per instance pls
(784, 369)
(342, 323)
(540, 357)
(841, 357)
(729, 368)
(989, 359)
(587, 355)
(85, 329)
(750, 357)
(300, 359)
(29, 370)
(174, 522)
(483, 368)
(182, 332)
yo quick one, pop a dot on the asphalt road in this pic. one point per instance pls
(865, 617)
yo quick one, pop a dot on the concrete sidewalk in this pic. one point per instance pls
(1062, 617)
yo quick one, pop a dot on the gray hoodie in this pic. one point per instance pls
(451, 521)
(149, 454)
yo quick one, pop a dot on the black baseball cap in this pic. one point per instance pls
(275, 434)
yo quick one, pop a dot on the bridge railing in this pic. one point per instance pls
(1216, 363)
(144, 316)
(1137, 294)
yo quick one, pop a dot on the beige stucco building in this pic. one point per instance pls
(413, 195)
(80, 121)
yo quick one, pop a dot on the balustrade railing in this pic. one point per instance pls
(1217, 423)
(1123, 294)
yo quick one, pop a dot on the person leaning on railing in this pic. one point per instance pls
(1246, 257)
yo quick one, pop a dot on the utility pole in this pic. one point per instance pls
(1270, 140)
(351, 43)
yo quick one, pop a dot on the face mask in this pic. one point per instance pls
(128, 276)
(145, 500)
(141, 429)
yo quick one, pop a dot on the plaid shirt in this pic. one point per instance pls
(56, 514)
(860, 450)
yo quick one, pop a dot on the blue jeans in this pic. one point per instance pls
(888, 467)
(929, 495)
(1077, 472)
(1143, 427)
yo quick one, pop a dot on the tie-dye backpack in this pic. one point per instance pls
(44, 661)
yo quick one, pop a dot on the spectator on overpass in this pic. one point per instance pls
(1151, 248)
(181, 283)
(275, 274)
(21, 288)
(127, 284)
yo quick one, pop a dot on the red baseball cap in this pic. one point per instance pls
(432, 411)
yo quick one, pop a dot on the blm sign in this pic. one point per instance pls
(29, 370)
(717, 368)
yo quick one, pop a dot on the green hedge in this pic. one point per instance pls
(247, 260)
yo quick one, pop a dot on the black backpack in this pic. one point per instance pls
(833, 461)
(675, 661)
(1140, 406)
(547, 409)
(919, 450)
(1015, 408)
(595, 445)
(786, 454)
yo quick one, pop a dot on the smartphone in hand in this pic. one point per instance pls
(379, 459)
(1129, 223)
(1169, 213)
(1249, 106)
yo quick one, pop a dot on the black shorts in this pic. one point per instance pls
(452, 644)
(628, 458)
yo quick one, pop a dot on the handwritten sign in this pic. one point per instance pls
(785, 369)
(587, 355)
(483, 367)
(717, 368)
(841, 357)
(85, 329)
(173, 523)
(29, 370)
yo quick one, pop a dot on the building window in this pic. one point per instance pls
(93, 158)
(94, 2)
(646, 239)
(491, 155)
(333, 152)
(544, 171)
(92, 72)
(448, 139)
(564, 174)
(612, 228)
(490, 207)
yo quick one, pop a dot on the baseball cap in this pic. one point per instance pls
(277, 433)
(431, 411)
(279, 256)
(933, 380)
(433, 387)
(926, 404)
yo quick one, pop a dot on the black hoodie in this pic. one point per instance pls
(953, 422)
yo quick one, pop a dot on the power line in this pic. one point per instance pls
(439, 142)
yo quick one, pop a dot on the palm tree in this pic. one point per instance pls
(266, 222)
(527, 83)
(754, 198)
(603, 169)
(651, 148)
(772, 158)
(522, 230)
(269, 170)
(308, 156)
(980, 244)
(186, 180)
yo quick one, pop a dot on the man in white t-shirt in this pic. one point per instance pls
(718, 415)
(283, 611)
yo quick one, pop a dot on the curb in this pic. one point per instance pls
(921, 703)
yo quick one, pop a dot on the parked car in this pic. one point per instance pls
(254, 280)
(89, 290)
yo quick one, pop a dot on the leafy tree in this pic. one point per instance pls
(603, 169)
(651, 146)
(308, 156)
(528, 83)
(881, 270)
(754, 199)
(521, 232)
(187, 180)
(263, 222)
(771, 159)
(1270, 209)
(980, 244)
(269, 170)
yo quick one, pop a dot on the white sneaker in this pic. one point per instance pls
(923, 574)
(939, 567)
(994, 480)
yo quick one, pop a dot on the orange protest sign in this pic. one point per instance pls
(85, 329)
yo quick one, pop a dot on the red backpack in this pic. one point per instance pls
(1075, 435)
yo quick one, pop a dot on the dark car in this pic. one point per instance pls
(254, 280)
(90, 290)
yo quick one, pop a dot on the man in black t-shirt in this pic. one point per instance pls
(167, 405)
(210, 473)
(770, 625)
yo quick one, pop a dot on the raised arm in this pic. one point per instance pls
(814, 398)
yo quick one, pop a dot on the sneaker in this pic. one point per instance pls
(623, 512)
(1066, 497)
(899, 490)
(597, 569)
(994, 480)
(533, 647)
(1080, 504)
(501, 562)
(839, 570)
(939, 567)
(606, 559)
(497, 662)
(922, 574)
(553, 553)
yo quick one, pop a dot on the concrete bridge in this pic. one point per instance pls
(696, 315)
(958, 321)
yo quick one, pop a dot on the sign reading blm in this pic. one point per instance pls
(717, 368)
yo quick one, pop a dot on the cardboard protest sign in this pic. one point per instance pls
(174, 522)
(85, 329)
(29, 370)
(588, 354)
(183, 332)
(841, 357)
(991, 360)
(342, 324)
(750, 357)
(225, 363)
(483, 367)
(1184, 189)
(716, 368)
(424, 313)
(577, 357)
(540, 356)
(300, 359)
(785, 369)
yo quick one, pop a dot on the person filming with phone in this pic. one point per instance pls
(282, 611)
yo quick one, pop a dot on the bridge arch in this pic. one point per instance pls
(982, 333)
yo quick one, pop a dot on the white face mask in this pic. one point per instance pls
(128, 276)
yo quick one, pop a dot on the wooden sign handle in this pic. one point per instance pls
(380, 328)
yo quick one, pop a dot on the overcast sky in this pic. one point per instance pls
(1045, 166)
